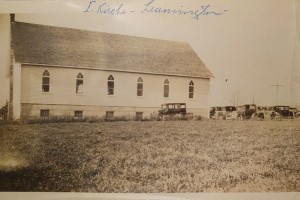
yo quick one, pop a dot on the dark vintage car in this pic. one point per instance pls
(4, 112)
(172, 109)
(246, 111)
(282, 111)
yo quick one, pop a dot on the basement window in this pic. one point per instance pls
(78, 114)
(139, 116)
(44, 113)
(109, 114)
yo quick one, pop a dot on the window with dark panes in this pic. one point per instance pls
(139, 116)
(78, 113)
(191, 90)
(44, 113)
(79, 84)
(46, 81)
(110, 85)
(140, 87)
(109, 114)
(166, 88)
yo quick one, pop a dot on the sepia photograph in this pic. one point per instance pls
(150, 97)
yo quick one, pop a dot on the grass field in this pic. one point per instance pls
(164, 156)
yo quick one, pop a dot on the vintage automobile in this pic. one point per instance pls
(216, 112)
(4, 112)
(282, 111)
(246, 111)
(249, 111)
(295, 111)
(212, 111)
(172, 109)
(221, 112)
(232, 115)
(264, 112)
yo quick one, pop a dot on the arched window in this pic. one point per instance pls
(191, 90)
(140, 87)
(79, 84)
(110, 85)
(46, 81)
(166, 88)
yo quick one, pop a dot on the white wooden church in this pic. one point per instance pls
(48, 71)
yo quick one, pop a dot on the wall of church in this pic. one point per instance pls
(4, 58)
(94, 100)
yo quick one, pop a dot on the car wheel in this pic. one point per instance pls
(261, 116)
(159, 117)
(220, 117)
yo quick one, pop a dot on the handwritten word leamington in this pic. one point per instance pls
(204, 10)
(150, 7)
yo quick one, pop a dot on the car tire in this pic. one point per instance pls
(220, 117)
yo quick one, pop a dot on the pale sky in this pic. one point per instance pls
(251, 45)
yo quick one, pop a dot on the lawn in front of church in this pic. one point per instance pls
(151, 156)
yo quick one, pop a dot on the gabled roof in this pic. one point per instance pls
(50, 45)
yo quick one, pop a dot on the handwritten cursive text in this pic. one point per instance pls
(204, 10)
(150, 6)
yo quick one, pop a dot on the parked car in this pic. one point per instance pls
(295, 111)
(172, 109)
(246, 111)
(221, 112)
(4, 112)
(264, 112)
(282, 111)
(212, 111)
(232, 115)
(217, 112)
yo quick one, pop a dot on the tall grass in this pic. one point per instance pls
(164, 156)
(94, 119)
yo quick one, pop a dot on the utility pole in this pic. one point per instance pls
(277, 87)
(225, 92)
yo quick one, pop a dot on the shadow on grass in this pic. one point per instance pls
(34, 179)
